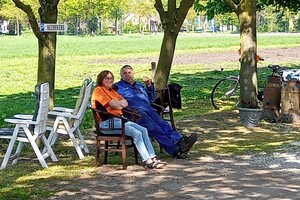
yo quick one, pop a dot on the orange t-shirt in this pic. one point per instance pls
(104, 96)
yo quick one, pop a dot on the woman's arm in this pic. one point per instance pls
(118, 104)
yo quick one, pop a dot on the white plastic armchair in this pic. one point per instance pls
(67, 121)
(28, 128)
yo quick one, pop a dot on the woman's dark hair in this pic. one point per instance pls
(101, 76)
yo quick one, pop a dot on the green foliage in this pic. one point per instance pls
(229, 19)
(131, 28)
(92, 25)
(280, 4)
(78, 57)
(215, 7)
(71, 27)
(270, 20)
(2, 2)
(212, 7)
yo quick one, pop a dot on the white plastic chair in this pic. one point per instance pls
(67, 121)
(28, 128)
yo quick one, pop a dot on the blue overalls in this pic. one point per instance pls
(138, 97)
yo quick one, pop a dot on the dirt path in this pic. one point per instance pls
(196, 178)
(254, 176)
(275, 56)
(224, 177)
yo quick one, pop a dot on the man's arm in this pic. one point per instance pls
(149, 88)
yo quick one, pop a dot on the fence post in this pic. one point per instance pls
(153, 69)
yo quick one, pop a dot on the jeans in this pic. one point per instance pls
(139, 135)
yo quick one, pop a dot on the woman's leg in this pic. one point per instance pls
(138, 140)
(137, 133)
(146, 138)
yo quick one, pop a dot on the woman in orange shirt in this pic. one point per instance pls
(113, 102)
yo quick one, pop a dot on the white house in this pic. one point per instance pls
(3, 26)
(150, 20)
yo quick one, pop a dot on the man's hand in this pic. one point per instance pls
(147, 81)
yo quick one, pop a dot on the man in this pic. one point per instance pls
(139, 98)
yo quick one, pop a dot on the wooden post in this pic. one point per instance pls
(153, 70)
(290, 102)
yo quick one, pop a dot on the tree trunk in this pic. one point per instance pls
(17, 26)
(171, 23)
(246, 13)
(46, 63)
(77, 25)
(47, 41)
(100, 24)
(165, 59)
(248, 70)
(47, 48)
(116, 24)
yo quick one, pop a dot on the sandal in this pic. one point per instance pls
(159, 161)
(154, 165)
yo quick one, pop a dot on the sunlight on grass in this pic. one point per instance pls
(79, 57)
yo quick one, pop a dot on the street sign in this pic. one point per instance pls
(53, 27)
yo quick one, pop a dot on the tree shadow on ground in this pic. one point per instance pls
(24, 103)
(228, 161)
(201, 176)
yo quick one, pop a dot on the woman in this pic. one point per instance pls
(113, 102)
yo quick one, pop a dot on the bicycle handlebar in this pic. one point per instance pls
(275, 68)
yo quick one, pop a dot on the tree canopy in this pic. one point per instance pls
(293, 5)
(214, 7)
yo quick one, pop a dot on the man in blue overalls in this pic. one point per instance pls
(139, 98)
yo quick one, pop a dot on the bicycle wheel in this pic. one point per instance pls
(225, 93)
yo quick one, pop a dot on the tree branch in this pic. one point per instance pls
(160, 9)
(55, 2)
(31, 17)
(231, 4)
(171, 6)
(183, 9)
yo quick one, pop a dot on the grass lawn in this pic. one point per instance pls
(79, 57)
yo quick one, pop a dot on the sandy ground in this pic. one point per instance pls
(275, 56)
(196, 178)
(254, 176)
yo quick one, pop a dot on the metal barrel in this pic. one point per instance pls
(272, 93)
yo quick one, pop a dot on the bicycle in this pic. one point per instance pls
(226, 92)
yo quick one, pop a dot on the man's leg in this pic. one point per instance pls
(165, 126)
(184, 142)
(156, 132)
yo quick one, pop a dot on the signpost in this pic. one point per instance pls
(53, 27)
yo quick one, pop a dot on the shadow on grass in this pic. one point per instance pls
(195, 93)
(220, 165)
(228, 161)
(24, 103)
